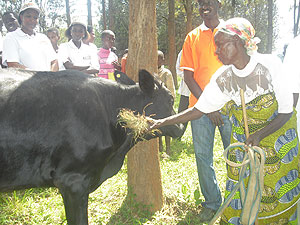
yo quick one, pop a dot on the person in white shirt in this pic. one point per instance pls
(53, 35)
(91, 38)
(25, 48)
(75, 54)
(10, 21)
(292, 73)
(183, 89)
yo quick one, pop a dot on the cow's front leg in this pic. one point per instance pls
(75, 195)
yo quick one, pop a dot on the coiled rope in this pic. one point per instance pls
(254, 159)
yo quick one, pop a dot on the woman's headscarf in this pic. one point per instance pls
(244, 29)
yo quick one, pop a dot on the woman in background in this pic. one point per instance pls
(25, 48)
(75, 54)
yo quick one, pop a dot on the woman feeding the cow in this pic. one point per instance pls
(267, 112)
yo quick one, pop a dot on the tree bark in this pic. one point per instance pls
(68, 13)
(270, 27)
(144, 177)
(103, 15)
(111, 9)
(89, 9)
(172, 44)
(189, 15)
(296, 17)
(233, 3)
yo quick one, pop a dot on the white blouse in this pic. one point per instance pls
(262, 75)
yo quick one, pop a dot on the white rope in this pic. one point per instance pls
(251, 196)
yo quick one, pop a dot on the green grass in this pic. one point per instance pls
(112, 203)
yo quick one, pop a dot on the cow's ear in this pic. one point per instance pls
(146, 82)
(122, 78)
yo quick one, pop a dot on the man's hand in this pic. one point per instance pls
(216, 118)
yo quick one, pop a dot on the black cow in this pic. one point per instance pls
(60, 129)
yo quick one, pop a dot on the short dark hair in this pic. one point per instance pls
(19, 18)
(54, 30)
(10, 12)
(106, 33)
(68, 31)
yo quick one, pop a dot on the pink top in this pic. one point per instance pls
(106, 58)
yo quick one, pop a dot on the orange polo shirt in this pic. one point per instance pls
(198, 56)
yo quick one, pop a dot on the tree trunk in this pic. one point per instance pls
(270, 27)
(103, 15)
(233, 3)
(144, 177)
(89, 9)
(189, 15)
(68, 13)
(296, 17)
(172, 44)
(111, 9)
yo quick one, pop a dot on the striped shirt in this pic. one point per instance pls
(106, 58)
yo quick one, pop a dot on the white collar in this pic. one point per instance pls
(204, 27)
(248, 68)
(72, 45)
(22, 34)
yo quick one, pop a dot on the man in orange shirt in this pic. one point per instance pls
(199, 63)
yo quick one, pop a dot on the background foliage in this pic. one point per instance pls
(54, 14)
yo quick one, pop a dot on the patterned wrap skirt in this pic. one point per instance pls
(281, 172)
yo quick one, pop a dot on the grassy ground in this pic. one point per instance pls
(112, 204)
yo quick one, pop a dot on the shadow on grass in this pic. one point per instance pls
(180, 146)
(192, 217)
(131, 212)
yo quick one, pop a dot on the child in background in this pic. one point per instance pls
(10, 21)
(89, 40)
(108, 60)
(123, 61)
(166, 77)
(75, 54)
(164, 74)
(53, 35)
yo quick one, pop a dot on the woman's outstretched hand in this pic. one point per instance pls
(154, 124)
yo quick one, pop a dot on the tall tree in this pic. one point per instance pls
(54, 11)
(270, 27)
(296, 17)
(233, 4)
(104, 14)
(89, 9)
(172, 44)
(68, 15)
(112, 13)
(189, 15)
(144, 177)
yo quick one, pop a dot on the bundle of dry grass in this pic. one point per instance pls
(137, 123)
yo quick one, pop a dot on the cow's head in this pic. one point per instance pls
(158, 100)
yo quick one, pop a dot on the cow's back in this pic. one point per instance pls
(47, 119)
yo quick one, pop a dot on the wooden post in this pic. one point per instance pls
(246, 124)
(144, 177)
